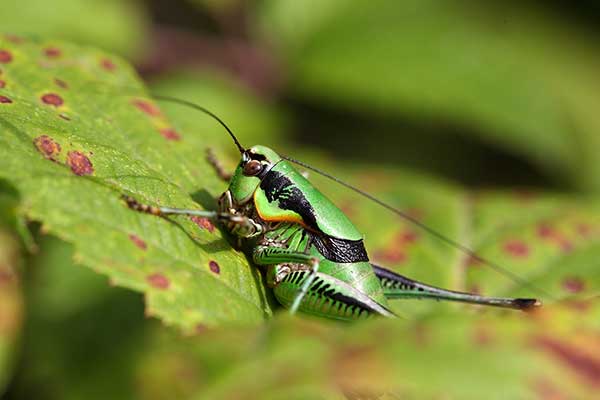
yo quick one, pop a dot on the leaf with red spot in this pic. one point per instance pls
(72, 149)
(11, 304)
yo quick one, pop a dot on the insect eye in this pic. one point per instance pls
(252, 167)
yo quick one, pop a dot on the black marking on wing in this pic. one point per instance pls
(340, 250)
(279, 187)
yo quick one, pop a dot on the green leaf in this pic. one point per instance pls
(11, 304)
(76, 134)
(77, 349)
(115, 25)
(449, 355)
(490, 69)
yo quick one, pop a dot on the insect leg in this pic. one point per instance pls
(212, 159)
(311, 291)
(239, 225)
(327, 296)
(265, 255)
(396, 286)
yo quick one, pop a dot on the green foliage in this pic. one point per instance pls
(115, 25)
(11, 304)
(517, 76)
(78, 131)
(76, 135)
(458, 355)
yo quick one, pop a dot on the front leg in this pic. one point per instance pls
(238, 225)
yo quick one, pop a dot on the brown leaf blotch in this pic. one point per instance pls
(47, 146)
(214, 267)
(52, 52)
(516, 248)
(573, 284)
(5, 56)
(158, 281)
(138, 241)
(2, 84)
(108, 64)
(61, 84)
(147, 107)
(80, 164)
(203, 223)
(170, 134)
(586, 366)
(52, 99)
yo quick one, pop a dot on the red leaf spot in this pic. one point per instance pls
(80, 164)
(546, 231)
(138, 241)
(578, 360)
(200, 328)
(47, 146)
(170, 134)
(158, 281)
(203, 223)
(2, 84)
(108, 64)
(5, 100)
(14, 39)
(406, 237)
(573, 284)
(392, 255)
(60, 83)
(565, 245)
(5, 56)
(5, 277)
(52, 99)
(516, 248)
(584, 230)
(214, 267)
(472, 261)
(147, 107)
(52, 52)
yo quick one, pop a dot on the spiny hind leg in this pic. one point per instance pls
(396, 286)
(214, 161)
(271, 255)
(325, 296)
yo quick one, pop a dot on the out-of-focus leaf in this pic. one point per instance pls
(77, 349)
(115, 25)
(75, 135)
(11, 305)
(252, 122)
(450, 355)
(518, 75)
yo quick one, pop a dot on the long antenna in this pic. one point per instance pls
(204, 110)
(471, 253)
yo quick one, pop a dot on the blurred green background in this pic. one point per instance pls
(456, 99)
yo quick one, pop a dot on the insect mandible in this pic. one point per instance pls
(315, 257)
